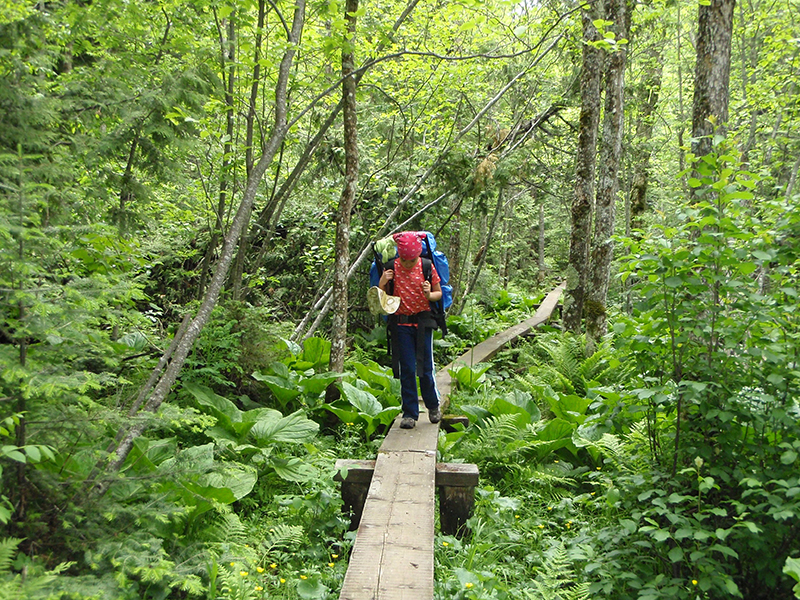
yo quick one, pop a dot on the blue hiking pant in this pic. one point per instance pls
(416, 359)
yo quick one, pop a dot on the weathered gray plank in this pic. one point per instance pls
(488, 348)
(392, 558)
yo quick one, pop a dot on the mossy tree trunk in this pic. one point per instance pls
(581, 213)
(608, 182)
(342, 244)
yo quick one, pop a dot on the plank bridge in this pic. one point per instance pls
(392, 498)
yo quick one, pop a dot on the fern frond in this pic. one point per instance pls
(8, 548)
(226, 528)
(284, 537)
(556, 578)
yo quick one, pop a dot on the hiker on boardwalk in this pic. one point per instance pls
(411, 327)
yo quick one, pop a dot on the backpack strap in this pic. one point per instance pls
(427, 271)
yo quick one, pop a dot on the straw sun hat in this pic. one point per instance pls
(381, 303)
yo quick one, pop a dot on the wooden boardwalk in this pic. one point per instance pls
(392, 558)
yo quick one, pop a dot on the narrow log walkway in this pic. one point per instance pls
(392, 558)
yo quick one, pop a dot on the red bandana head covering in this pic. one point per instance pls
(409, 246)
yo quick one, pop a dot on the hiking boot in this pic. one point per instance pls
(435, 414)
(407, 423)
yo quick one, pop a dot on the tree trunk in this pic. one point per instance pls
(228, 69)
(505, 251)
(608, 182)
(541, 249)
(681, 111)
(712, 73)
(577, 271)
(238, 224)
(454, 254)
(342, 244)
(646, 93)
(238, 267)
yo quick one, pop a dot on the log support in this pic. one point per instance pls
(455, 483)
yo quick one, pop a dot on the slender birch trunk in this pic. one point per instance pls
(342, 244)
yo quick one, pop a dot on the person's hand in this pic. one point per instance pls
(386, 277)
(426, 288)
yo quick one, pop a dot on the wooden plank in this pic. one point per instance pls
(449, 474)
(358, 471)
(456, 475)
(488, 348)
(392, 558)
(424, 437)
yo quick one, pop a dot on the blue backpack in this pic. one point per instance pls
(429, 255)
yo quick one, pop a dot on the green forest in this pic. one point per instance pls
(189, 194)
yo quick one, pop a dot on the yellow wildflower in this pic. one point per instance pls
(541, 526)
(516, 516)
(334, 555)
(330, 564)
(445, 544)
(233, 564)
(694, 581)
(243, 573)
(273, 566)
(259, 588)
(259, 569)
(468, 585)
(303, 577)
(283, 580)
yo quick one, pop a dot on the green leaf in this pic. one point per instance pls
(706, 484)
(226, 411)
(363, 401)
(660, 535)
(501, 406)
(283, 390)
(346, 415)
(294, 428)
(312, 589)
(628, 525)
(792, 568)
(724, 550)
(676, 554)
(13, 453)
(470, 378)
(761, 255)
(317, 351)
(317, 384)
(746, 268)
(238, 479)
(33, 453)
(294, 469)
(788, 457)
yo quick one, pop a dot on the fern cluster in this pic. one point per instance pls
(560, 361)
